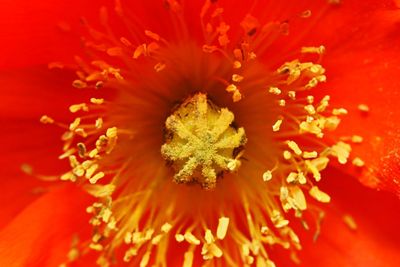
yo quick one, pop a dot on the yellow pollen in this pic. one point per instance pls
(74, 125)
(191, 239)
(166, 227)
(350, 222)
(277, 125)
(287, 155)
(201, 142)
(314, 50)
(267, 176)
(357, 139)
(237, 78)
(46, 120)
(79, 84)
(358, 162)
(222, 227)
(342, 151)
(188, 262)
(310, 155)
(296, 149)
(97, 101)
(237, 64)
(275, 90)
(292, 95)
(179, 238)
(339, 111)
(319, 195)
(363, 108)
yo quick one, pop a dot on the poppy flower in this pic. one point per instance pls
(203, 133)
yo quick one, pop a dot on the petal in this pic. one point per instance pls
(29, 93)
(361, 60)
(28, 144)
(373, 243)
(363, 70)
(30, 34)
(41, 235)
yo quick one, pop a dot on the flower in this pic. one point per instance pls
(248, 88)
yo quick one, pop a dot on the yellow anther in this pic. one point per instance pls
(363, 108)
(299, 200)
(342, 151)
(101, 190)
(339, 111)
(166, 227)
(310, 155)
(310, 127)
(237, 78)
(99, 123)
(111, 132)
(291, 177)
(277, 125)
(79, 84)
(350, 222)
(145, 259)
(302, 178)
(97, 247)
(278, 220)
(208, 236)
(237, 64)
(267, 176)
(191, 239)
(97, 101)
(358, 162)
(188, 259)
(292, 95)
(77, 107)
(96, 177)
(287, 155)
(46, 120)
(152, 35)
(319, 195)
(357, 139)
(231, 88)
(160, 66)
(310, 109)
(275, 90)
(74, 125)
(310, 99)
(222, 227)
(315, 50)
(317, 165)
(179, 238)
(91, 170)
(293, 145)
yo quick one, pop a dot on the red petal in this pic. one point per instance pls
(41, 235)
(27, 94)
(363, 69)
(374, 243)
(30, 34)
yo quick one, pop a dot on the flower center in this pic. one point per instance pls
(202, 142)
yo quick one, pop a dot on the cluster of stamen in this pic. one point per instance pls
(202, 143)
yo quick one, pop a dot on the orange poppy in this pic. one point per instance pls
(203, 133)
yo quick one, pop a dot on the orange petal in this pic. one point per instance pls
(41, 235)
(373, 243)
